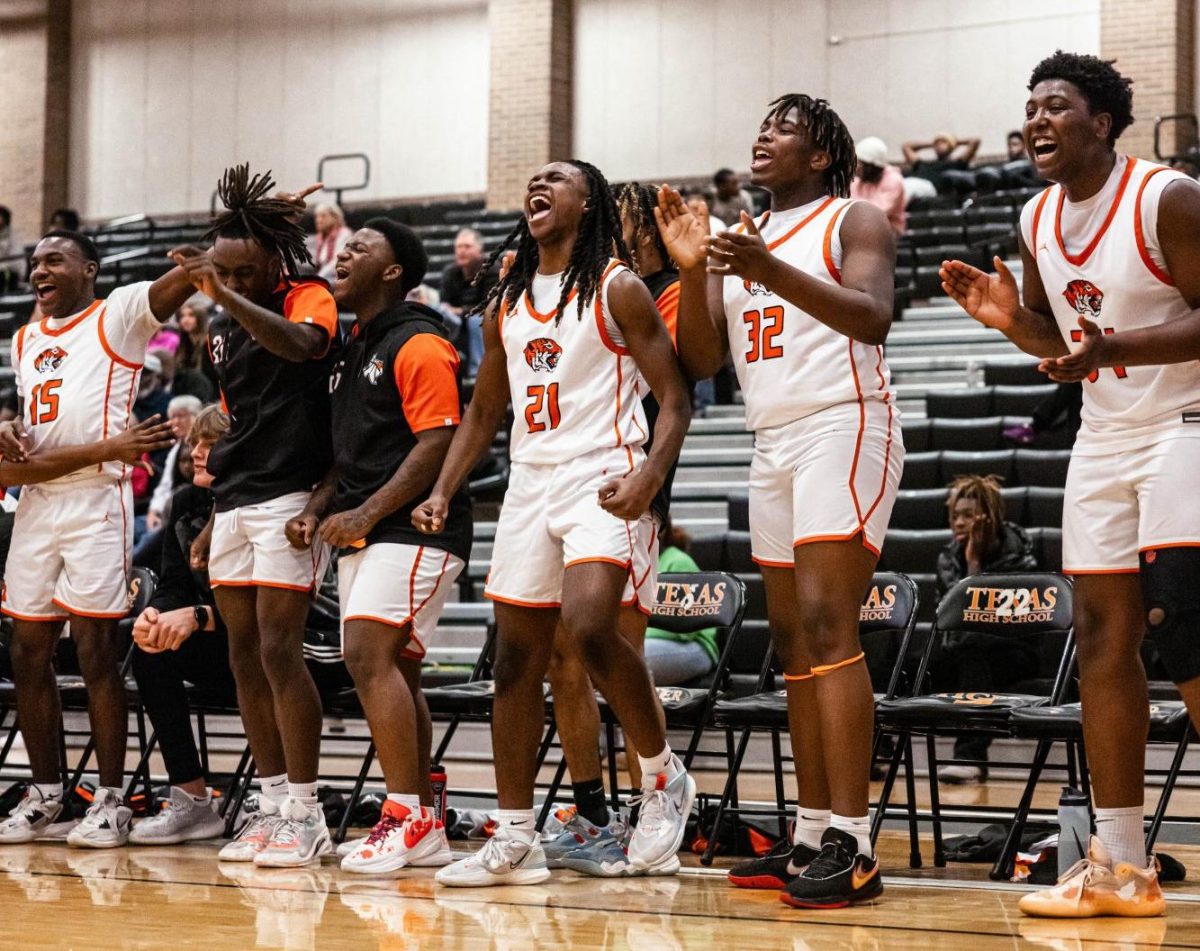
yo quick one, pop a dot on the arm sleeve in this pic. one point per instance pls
(312, 304)
(426, 371)
(128, 322)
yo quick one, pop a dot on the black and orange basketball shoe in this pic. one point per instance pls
(839, 876)
(777, 869)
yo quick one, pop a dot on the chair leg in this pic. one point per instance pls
(143, 764)
(889, 781)
(727, 794)
(9, 740)
(235, 781)
(1003, 869)
(1085, 775)
(355, 793)
(780, 796)
(1164, 797)
(243, 789)
(1072, 767)
(910, 793)
(614, 779)
(555, 784)
(444, 743)
(935, 805)
(202, 731)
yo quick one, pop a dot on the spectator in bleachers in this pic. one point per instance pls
(331, 236)
(678, 658)
(1061, 410)
(879, 182)
(66, 219)
(154, 389)
(948, 168)
(462, 294)
(729, 198)
(697, 201)
(10, 272)
(1015, 171)
(181, 413)
(983, 541)
(194, 372)
(181, 639)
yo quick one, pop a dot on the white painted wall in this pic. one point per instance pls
(678, 87)
(167, 93)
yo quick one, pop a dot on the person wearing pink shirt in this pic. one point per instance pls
(879, 182)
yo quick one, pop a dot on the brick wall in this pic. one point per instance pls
(530, 96)
(34, 100)
(1152, 41)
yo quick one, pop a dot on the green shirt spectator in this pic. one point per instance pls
(678, 658)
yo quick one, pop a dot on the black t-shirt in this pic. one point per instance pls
(178, 585)
(396, 377)
(664, 285)
(458, 291)
(279, 439)
(933, 170)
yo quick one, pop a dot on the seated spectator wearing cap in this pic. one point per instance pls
(947, 169)
(180, 639)
(879, 182)
(983, 541)
(729, 198)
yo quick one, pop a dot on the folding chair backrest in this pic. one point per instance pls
(686, 602)
(142, 582)
(890, 608)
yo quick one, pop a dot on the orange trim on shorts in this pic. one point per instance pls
(626, 565)
(862, 426)
(102, 615)
(887, 452)
(859, 534)
(636, 603)
(407, 649)
(261, 584)
(412, 577)
(1081, 258)
(32, 617)
(772, 564)
(1140, 235)
(518, 603)
(1101, 571)
(1169, 545)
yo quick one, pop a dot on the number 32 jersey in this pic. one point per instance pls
(79, 375)
(575, 386)
(789, 364)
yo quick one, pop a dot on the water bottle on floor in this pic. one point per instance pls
(1074, 828)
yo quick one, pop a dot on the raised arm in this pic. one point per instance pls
(912, 151)
(649, 344)
(966, 149)
(170, 292)
(860, 307)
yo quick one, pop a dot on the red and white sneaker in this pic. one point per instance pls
(400, 839)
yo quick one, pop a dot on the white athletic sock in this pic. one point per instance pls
(664, 762)
(1121, 833)
(305, 793)
(49, 790)
(117, 791)
(275, 788)
(411, 803)
(198, 800)
(857, 826)
(810, 826)
(516, 824)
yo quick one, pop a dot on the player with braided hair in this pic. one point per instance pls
(273, 344)
(569, 333)
(803, 300)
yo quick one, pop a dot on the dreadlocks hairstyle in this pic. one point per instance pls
(1105, 89)
(250, 214)
(827, 132)
(597, 241)
(639, 201)
(985, 492)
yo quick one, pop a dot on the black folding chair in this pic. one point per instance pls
(889, 608)
(1002, 605)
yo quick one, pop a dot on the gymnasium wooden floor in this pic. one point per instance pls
(179, 897)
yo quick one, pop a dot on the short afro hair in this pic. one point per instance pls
(1105, 89)
(86, 246)
(407, 249)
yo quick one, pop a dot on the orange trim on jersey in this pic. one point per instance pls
(38, 618)
(44, 326)
(617, 414)
(517, 603)
(1037, 217)
(1101, 571)
(1142, 551)
(789, 235)
(426, 375)
(109, 350)
(21, 340)
(549, 315)
(503, 309)
(600, 560)
(827, 244)
(599, 309)
(1081, 258)
(252, 583)
(860, 534)
(1140, 235)
(772, 564)
(102, 615)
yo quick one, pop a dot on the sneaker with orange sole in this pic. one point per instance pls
(1094, 886)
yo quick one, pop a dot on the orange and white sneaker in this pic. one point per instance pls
(400, 838)
(1094, 886)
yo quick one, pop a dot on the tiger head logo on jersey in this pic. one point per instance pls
(49, 359)
(755, 288)
(542, 353)
(1085, 297)
(374, 369)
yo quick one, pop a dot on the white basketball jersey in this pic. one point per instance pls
(1111, 270)
(574, 384)
(789, 364)
(79, 375)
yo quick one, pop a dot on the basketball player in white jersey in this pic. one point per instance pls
(803, 300)
(77, 375)
(569, 333)
(1110, 258)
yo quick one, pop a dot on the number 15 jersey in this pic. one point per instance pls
(574, 384)
(789, 364)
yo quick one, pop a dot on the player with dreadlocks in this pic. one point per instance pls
(77, 374)
(803, 300)
(273, 344)
(568, 334)
(1111, 256)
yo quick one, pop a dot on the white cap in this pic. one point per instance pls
(872, 150)
(152, 364)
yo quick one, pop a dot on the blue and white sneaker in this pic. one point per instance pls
(583, 847)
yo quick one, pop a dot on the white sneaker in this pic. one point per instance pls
(350, 845)
(253, 837)
(501, 861)
(181, 820)
(105, 825)
(300, 837)
(401, 838)
(31, 817)
(665, 806)
(960, 775)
